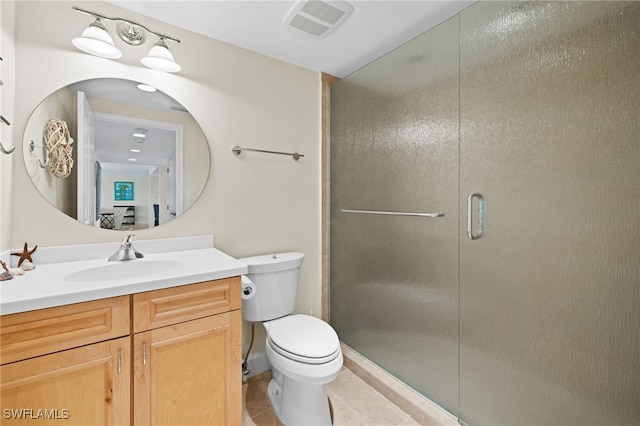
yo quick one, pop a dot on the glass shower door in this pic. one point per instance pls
(549, 295)
(394, 162)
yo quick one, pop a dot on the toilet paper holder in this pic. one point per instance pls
(248, 288)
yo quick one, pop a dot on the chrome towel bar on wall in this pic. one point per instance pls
(385, 213)
(237, 150)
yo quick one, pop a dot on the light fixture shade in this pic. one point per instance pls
(96, 41)
(159, 58)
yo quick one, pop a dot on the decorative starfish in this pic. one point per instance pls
(25, 255)
(4, 266)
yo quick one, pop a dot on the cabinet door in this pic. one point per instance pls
(89, 385)
(190, 373)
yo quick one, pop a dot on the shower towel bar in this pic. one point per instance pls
(237, 150)
(378, 212)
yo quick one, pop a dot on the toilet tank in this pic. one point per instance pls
(275, 278)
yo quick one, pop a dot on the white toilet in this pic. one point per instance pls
(304, 351)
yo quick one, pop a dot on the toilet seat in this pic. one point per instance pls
(304, 338)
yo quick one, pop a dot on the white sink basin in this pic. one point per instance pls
(123, 270)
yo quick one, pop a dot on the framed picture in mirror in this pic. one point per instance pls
(123, 191)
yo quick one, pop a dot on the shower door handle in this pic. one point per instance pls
(480, 230)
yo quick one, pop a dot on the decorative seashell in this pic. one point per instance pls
(16, 271)
(27, 266)
(6, 275)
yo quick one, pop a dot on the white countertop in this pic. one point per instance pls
(52, 284)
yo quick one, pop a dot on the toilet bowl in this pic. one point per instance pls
(302, 367)
(304, 351)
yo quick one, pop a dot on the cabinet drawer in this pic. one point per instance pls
(159, 308)
(29, 334)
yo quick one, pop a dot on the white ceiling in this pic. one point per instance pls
(374, 28)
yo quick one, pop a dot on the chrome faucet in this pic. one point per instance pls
(126, 250)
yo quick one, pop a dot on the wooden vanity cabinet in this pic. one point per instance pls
(171, 356)
(188, 355)
(68, 363)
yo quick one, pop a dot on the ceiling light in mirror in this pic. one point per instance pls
(171, 167)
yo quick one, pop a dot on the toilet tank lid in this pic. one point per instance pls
(267, 263)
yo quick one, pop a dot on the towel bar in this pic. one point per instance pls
(379, 212)
(237, 150)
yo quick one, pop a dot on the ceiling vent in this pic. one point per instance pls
(318, 18)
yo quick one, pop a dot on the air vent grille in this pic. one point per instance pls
(323, 11)
(318, 18)
(308, 26)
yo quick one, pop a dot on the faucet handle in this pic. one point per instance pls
(128, 242)
(126, 251)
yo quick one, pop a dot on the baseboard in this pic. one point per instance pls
(257, 363)
(421, 409)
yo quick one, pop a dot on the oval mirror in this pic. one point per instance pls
(116, 154)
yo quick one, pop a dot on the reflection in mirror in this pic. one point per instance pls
(139, 158)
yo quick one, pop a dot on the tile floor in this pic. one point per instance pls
(354, 402)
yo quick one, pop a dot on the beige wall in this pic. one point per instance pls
(252, 204)
(7, 92)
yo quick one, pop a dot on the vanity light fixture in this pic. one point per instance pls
(95, 40)
(134, 150)
(159, 58)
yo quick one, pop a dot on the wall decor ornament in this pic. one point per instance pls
(58, 143)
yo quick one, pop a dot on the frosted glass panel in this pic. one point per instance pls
(550, 296)
(535, 105)
(394, 147)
